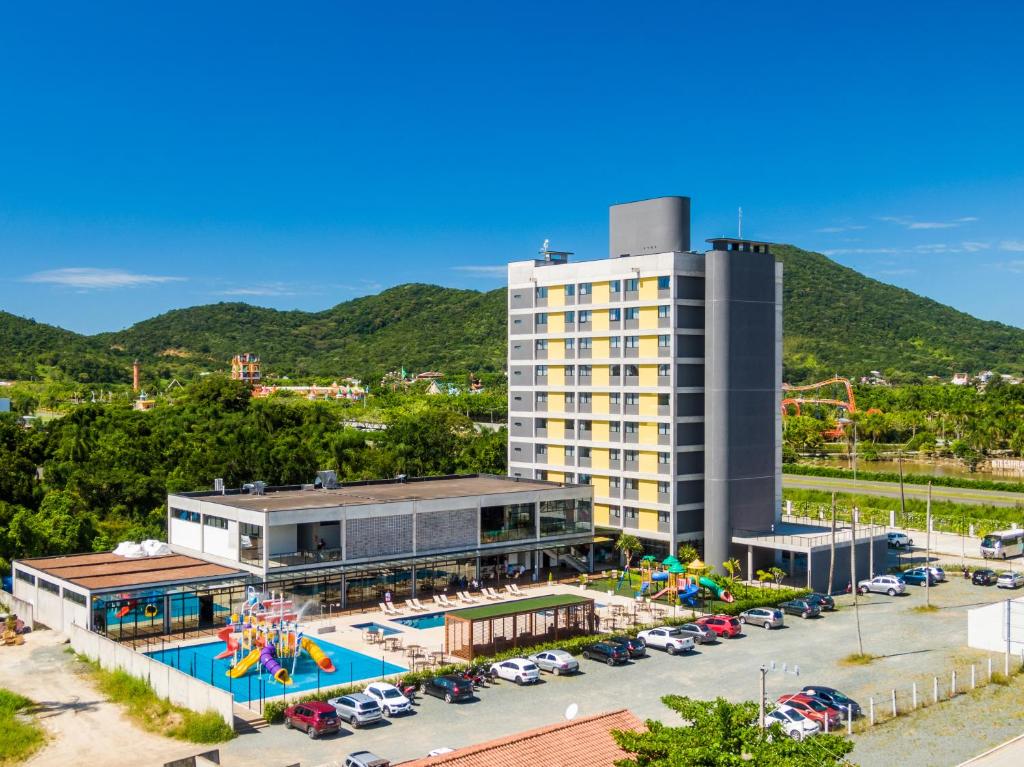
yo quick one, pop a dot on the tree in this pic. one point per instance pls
(732, 566)
(630, 546)
(687, 553)
(722, 734)
(777, 574)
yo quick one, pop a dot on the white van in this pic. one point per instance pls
(1003, 544)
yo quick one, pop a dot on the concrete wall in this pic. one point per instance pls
(988, 627)
(660, 225)
(176, 686)
(283, 539)
(819, 560)
(188, 534)
(220, 542)
(741, 390)
(20, 607)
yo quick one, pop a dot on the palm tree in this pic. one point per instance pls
(629, 545)
(732, 566)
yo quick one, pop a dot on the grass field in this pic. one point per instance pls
(20, 735)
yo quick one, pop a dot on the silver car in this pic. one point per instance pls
(883, 584)
(769, 617)
(357, 709)
(556, 662)
(699, 634)
(1010, 580)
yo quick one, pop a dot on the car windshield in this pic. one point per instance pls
(392, 693)
(815, 704)
(989, 541)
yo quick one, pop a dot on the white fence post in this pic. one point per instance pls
(973, 680)
(871, 711)
(849, 719)
(952, 686)
(935, 689)
(913, 695)
(894, 704)
(990, 671)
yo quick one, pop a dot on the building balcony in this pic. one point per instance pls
(305, 557)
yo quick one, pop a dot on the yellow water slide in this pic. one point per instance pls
(245, 664)
(319, 656)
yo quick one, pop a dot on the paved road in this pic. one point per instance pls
(892, 490)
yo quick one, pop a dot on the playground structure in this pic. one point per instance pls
(266, 636)
(670, 575)
(849, 405)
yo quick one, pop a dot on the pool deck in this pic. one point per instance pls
(340, 629)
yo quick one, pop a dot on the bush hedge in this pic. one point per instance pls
(908, 479)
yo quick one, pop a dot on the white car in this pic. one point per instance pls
(389, 697)
(899, 540)
(883, 584)
(518, 670)
(668, 638)
(794, 724)
(1010, 580)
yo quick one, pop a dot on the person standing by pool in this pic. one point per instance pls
(387, 597)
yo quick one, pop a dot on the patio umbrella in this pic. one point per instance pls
(696, 564)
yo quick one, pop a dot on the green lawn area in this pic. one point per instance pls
(19, 738)
(532, 604)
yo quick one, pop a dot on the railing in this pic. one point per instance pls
(305, 557)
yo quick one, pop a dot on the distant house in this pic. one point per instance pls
(246, 367)
(583, 742)
(961, 379)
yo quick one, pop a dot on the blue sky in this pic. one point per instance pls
(154, 156)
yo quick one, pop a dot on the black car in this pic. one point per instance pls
(449, 688)
(824, 601)
(610, 652)
(984, 577)
(832, 697)
(636, 647)
(802, 607)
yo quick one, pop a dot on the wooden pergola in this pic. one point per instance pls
(492, 628)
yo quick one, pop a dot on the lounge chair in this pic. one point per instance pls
(419, 606)
(509, 590)
(437, 600)
(410, 605)
(465, 597)
(515, 590)
(390, 609)
(384, 608)
(492, 594)
(444, 601)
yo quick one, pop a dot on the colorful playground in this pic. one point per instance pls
(673, 582)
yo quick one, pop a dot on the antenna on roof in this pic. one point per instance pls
(739, 225)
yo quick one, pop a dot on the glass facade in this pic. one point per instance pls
(513, 522)
(565, 516)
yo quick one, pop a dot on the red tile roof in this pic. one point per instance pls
(584, 742)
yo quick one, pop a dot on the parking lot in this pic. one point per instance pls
(912, 646)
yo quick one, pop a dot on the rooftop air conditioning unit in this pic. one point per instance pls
(259, 487)
(328, 479)
(218, 485)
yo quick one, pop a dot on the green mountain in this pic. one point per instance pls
(836, 320)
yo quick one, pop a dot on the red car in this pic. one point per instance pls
(315, 718)
(722, 625)
(813, 709)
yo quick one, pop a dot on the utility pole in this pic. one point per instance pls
(853, 577)
(903, 500)
(761, 698)
(832, 546)
(928, 549)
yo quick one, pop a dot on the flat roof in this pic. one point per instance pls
(360, 494)
(106, 570)
(530, 605)
(799, 536)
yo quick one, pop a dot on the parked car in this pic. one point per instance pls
(938, 573)
(518, 670)
(357, 709)
(801, 607)
(609, 652)
(722, 625)
(823, 601)
(830, 696)
(699, 634)
(390, 699)
(635, 646)
(449, 688)
(366, 759)
(314, 718)
(883, 584)
(813, 709)
(793, 723)
(556, 662)
(667, 638)
(917, 576)
(769, 617)
(1010, 580)
(899, 540)
(984, 577)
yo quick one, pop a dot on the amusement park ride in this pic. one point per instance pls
(849, 405)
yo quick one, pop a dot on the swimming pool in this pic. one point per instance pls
(378, 627)
(428, 621)
(199, 661)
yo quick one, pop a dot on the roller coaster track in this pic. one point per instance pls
(849, 405)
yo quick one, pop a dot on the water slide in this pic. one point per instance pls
(225, 635)
(688, 595)
(719, 592)
(124, 611)
(660, 593)
(245, 664)
(268, 659)
(322, 659)
(660, 575)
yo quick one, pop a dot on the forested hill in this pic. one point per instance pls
(836, 320)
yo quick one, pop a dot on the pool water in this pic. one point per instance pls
(199, 661)
(429, 621)
(378, 627)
